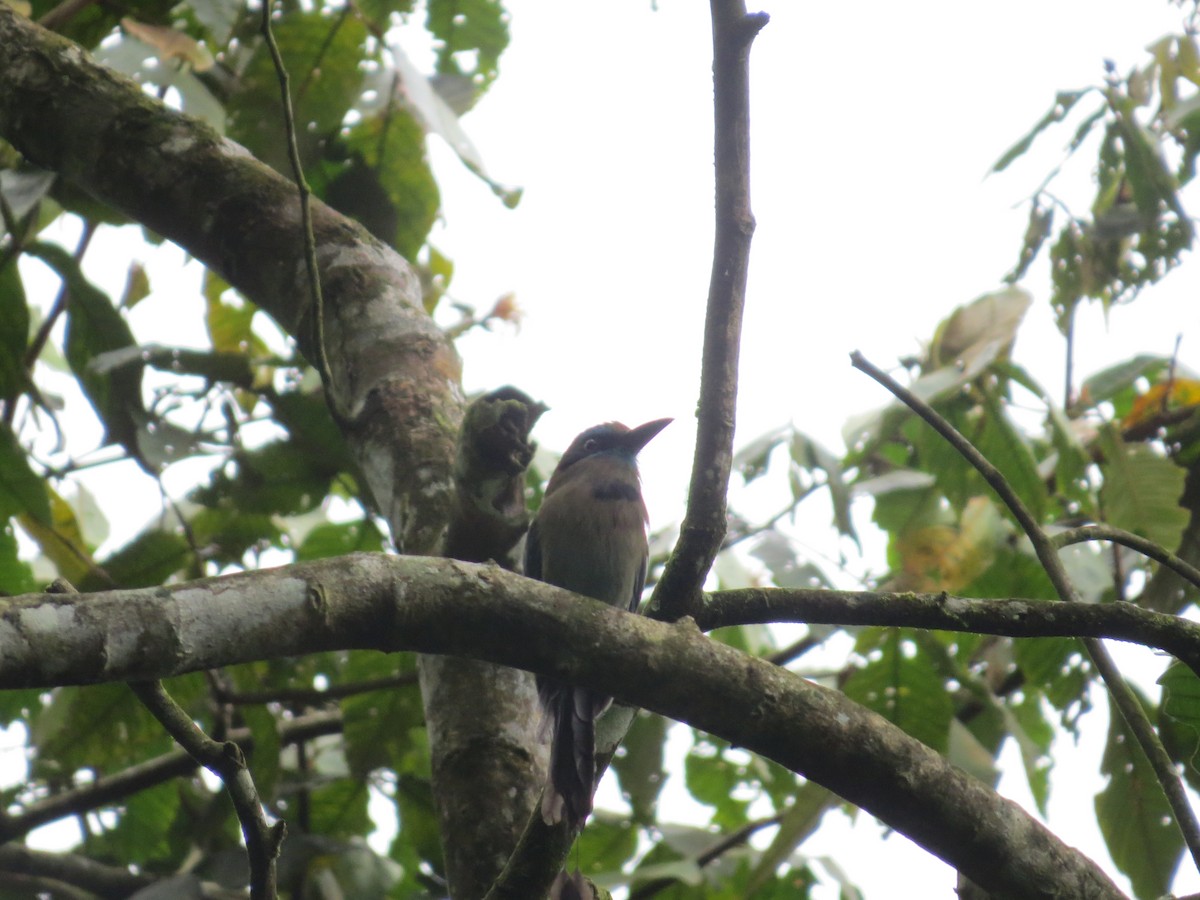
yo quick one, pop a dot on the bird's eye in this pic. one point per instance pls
(590, 444)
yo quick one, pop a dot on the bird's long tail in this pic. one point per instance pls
(570, 717)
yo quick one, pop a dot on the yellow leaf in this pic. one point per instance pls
(62, 540)
(171, 44)
(1179, 393)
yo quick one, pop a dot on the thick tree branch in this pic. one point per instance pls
(1126, 702)
(444, 606)
(394, 389)
(485, 731)
(394, 376)
(703, 528)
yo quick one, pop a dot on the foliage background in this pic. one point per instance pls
(907, 111)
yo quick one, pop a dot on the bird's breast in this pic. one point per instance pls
(592, 528)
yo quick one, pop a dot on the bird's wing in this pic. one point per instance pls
(639, 582)
(533, 552)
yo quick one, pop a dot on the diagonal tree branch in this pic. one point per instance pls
(449, 607)
(1124, 699)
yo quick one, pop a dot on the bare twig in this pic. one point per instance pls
(313, 696)
(943, 612)
(1134, 542)
(109, 789)
(310, 242)
(714, 852)
(225, 760)
(1123, 697)
(63, 13)
(703, 529)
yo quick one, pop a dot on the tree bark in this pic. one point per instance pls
(481, 611)
(395, 378)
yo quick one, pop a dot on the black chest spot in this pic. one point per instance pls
(616, 490)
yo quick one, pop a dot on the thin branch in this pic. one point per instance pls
(716, 851)
(1123, 697)
(313, 696)
(225, 760)
(1134, 542)
(943, 612)
(63, 13)
(703, 529)
(72, 871)
(109, 789)
(310, 242)
(21, 885)
(796, 649)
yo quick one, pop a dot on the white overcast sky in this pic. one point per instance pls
(874, 125)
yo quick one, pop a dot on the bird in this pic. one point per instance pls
(589, 537)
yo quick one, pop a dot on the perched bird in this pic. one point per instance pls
(588, 537)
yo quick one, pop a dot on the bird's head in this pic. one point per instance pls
(611, 438)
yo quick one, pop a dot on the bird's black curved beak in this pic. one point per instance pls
(637, 438)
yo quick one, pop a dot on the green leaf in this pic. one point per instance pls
(322, 51)
(307, 419)
(339, 808)
(1058, 667)
(14, 332)
(148, 560)
(799, 821)
(101, 727)
(229, 533)
(16, 577)
(281, 477)
(904, 687)
(752, 460)
(141, 833)
(381, 726)
(330, 539)
(606, 844)
(419, 835)
(1141, 490)
(61, 540)
(1034, 736)
(388, 166)
(811, 455)
(1005, 446)
(94, 326)
(264, 757)
(1117, 384)
(137, 286)
(1041, 221)
(475, 30)
(639, 764)
(1064, 101)
(712, 776)
(1181, 701)
(21, 490)
(1135, 817)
